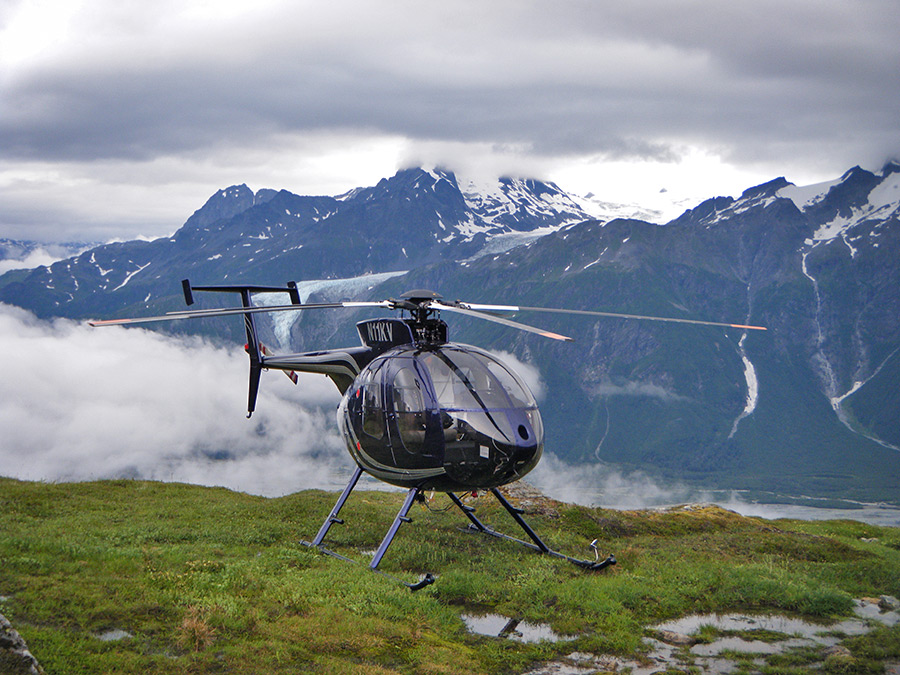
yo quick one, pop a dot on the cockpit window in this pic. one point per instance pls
(408, 391)
(464, 381)
(409, 407)
(477, 395)
(373, 414)
(515, 388)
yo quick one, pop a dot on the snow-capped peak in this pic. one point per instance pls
(807, 195)
(874, 198)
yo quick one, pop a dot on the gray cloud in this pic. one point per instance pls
(529, 373)
(811, 87)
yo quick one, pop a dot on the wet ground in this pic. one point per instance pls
(713, 644)
(497, 625)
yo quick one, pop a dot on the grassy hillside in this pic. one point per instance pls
(208, 580)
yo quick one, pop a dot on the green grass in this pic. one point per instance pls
(208, 580)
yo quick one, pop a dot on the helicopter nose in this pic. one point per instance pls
(514, 461)
(526, 458)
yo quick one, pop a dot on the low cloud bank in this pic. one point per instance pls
(20, 257)
(605, 486)
(638, 389)
(600, 484)
(81, 403)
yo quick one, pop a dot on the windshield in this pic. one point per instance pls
(473, 381)
(475, 391)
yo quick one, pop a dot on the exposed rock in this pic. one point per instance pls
(606, 663)
(888, 603)
(838, 651)
(15, 659)
(580, 657)
(560, 668)
(838, 657)
(603, 663)
(579, 663)
(530, 499)
(679, 639)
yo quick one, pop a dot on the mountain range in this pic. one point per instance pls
(811, 406)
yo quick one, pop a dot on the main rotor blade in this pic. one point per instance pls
(616, 315)
(496, 319)
(229, 311)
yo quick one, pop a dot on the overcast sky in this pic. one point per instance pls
(119, 118)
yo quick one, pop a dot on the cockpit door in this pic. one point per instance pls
(408, 399)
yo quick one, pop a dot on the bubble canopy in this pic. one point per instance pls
(446, 417)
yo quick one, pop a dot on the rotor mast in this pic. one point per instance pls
(423, 307)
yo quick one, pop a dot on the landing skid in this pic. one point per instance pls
(536, 543)
(401, 518)
(474, 525)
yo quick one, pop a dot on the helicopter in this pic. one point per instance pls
(417, 411)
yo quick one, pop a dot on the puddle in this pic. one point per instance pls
(497, 625)
(114, 635)
(736, 644)
(797, 632)
(683, 652)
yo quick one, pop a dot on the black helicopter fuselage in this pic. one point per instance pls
(447, 417)
(419, 411)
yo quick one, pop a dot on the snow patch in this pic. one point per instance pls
(752, 386)
(131, 275)
(886, 194)
(882, 201)
(806, 196)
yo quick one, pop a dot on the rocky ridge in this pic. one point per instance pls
(15, 659)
